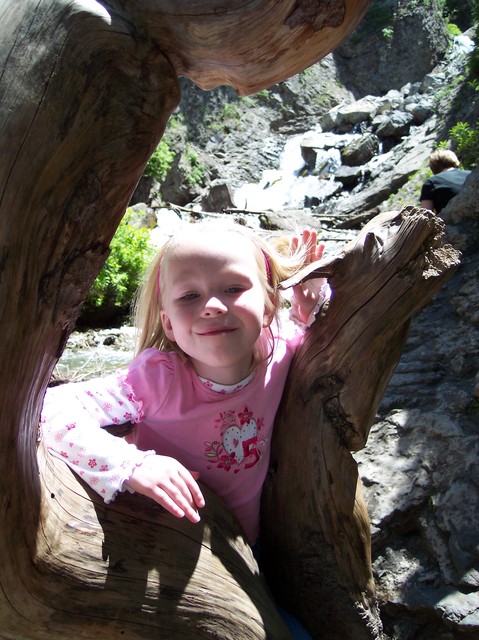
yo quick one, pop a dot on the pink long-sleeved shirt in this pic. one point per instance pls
(224, 433)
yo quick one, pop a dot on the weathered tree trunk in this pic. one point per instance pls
(314, 515)
(86, 89)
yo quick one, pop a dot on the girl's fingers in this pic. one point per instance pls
(308, 240)
(178, 500)
(170, 484)
(189, 478)
(319, 251)
(174, 504)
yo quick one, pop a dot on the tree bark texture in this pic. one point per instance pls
(314, 516)
(86, 89)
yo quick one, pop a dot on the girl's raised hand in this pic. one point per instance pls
(170, 484)
(309, 241)
(307, 295)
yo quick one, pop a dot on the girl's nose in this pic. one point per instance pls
(214, 307)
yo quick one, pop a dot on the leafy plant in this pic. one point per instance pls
(467, 142)
(453, 29)
(388, 33)
(231, 111)
(196, 170)
(160, 161)
(110, 296)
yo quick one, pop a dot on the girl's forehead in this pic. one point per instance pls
(224, 244)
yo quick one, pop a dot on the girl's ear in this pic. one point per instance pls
(268, 315)
(167, 327)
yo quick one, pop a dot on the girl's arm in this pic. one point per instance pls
(71, 422)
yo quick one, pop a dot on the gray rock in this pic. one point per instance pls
(408, 41)
(348, 176)
(419, 111)
(356, 112)
(432, 82)
(361, 151)
(396, 125)
(219, 196)
(142, 216)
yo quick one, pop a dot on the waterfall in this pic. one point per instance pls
(305, 176)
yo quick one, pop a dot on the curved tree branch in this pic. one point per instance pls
(314, 516)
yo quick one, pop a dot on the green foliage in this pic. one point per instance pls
(466, 139)
(264, 94)
(196, 171)
(114, 288)
(231, 111)
(453, 29)
(160, 161)
(388, 33)
(248, 101)
(377, 18)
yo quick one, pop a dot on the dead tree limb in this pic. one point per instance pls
(314, 516)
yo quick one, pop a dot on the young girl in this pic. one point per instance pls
(206, 383)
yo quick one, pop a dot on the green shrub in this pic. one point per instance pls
(467, 142)
(160, 161)
(453, 29)
(196, 171)
(109, 299)
(388, 33)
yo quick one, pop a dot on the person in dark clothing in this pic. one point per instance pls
(446, 182)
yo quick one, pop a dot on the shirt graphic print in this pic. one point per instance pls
(239, 444)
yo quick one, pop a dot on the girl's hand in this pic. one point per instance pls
(170, 484)
(309, 241)
(306, 295)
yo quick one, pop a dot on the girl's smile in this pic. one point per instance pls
(214, 303)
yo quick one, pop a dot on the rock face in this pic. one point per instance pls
(396, 45)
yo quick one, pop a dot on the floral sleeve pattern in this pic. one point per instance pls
(71, 422)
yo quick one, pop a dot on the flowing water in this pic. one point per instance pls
(299, 180)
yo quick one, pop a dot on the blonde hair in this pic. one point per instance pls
(275, 264)
(442, 159)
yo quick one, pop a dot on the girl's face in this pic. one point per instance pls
(214, 303)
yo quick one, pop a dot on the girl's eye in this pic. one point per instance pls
(189, 296)
(234, 290)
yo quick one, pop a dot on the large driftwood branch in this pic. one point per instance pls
(314, 516)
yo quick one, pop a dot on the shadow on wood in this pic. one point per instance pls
(314, 516)
(132, 570)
